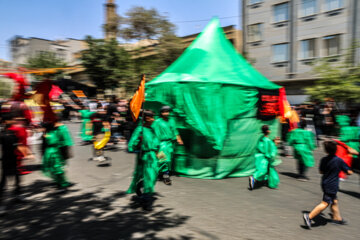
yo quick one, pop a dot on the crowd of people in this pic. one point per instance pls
(105, 123)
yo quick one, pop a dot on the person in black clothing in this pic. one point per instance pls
(318, 120)
(9, 143)
(330, 166)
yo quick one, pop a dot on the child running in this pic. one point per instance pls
(265, 157)
(330, 166)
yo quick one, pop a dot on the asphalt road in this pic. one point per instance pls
(97, 207)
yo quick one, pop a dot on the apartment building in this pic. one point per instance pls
(284, 37)
(24, 48)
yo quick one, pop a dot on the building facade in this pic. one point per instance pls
(24, 48)
(284, 38)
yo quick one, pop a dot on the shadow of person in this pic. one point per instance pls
(79, 215)
(290, 174)
(350, 193)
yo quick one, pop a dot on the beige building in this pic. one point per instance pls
(285, 37)
(24, 48)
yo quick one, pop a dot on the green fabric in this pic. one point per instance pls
(146, 166)
(53, 161)
(343, 120)
(213, 92)
(265, 155)
(166, 132)
(350, 136)
(303, 142)
(86, 127)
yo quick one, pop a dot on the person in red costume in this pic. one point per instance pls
(344, 152)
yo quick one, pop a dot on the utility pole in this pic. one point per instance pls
(243, 22)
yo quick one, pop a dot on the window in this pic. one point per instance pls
(280, 52)
(254, 1)
(308, 7)
(333, 4)
(332, 45)
(307, 49)
(255, 32)
(281, 12)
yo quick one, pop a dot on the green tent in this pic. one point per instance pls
(213, 91)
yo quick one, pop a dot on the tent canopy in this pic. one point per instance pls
(211, 58)
(213, 91)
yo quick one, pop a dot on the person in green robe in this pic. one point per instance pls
(147, 144)
(165, 130)
(304, 144)
(86, 125)
(57, 143)
(348, 134)
(265, 161)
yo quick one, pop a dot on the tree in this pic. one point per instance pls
(139, 24)
(46, 60)
(338, 80)
(107, 64)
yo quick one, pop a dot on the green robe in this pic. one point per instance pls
(303, 143)
(348, 134)
(166, 132)
(265, 159)
(146, 165)
(53, 161)
(86, 126)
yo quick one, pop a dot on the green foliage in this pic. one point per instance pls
(107, 64)
(45, 60)
(338, 80)
(141, 23)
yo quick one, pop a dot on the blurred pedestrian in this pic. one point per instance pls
(303, 143)
(12, 146)
(56, 151)
(265, 159)
(86, 125)
(349, 135)
(165, 130)
(145, 142)
(330, 166)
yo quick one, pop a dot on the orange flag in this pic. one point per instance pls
(138, 99)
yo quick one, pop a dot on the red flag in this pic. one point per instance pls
(42, 98)
(138, 99)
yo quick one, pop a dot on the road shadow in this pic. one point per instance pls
(350, 193)
(290, 174)
(76, 215)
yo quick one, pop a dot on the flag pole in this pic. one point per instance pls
(142, 121)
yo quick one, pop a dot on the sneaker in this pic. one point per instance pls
(251, 182)
(339, 222)
(307, 220)
(167, 181)
(101, 159)
(302, 179)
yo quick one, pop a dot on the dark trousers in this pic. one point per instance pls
(301, 168)
(5, 174)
